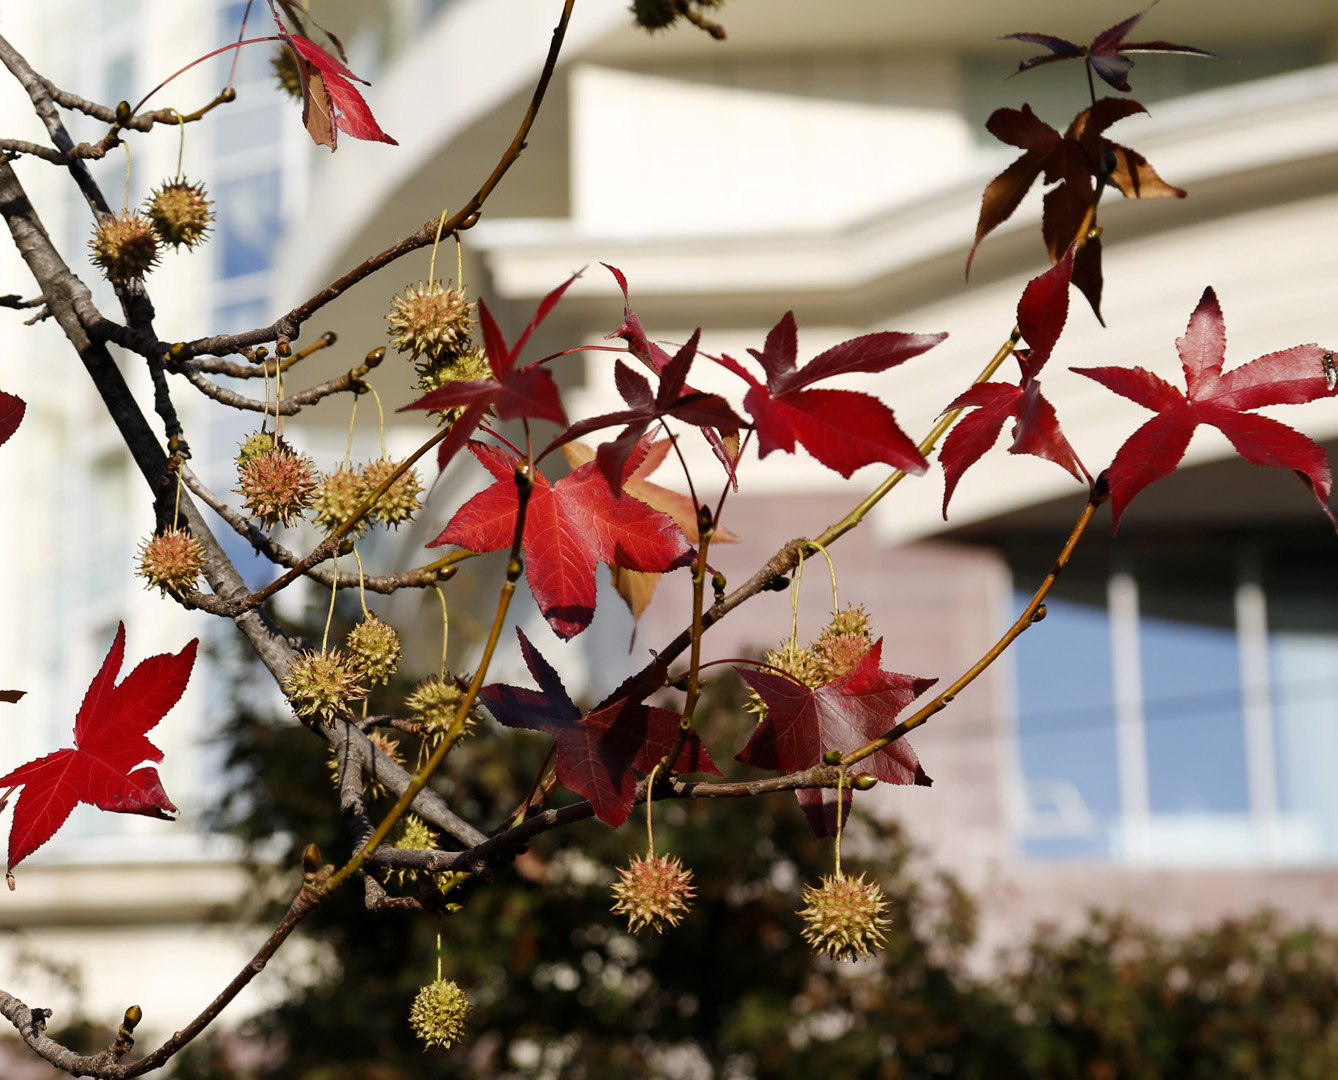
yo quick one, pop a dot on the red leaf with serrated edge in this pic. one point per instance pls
(1041, 314)
(843, 429)
(11, 415)
(569, 527)
(802, 723)
(1289, 377)
(597, 751)
(1106, 54)
(511, 394)
(330, 101)
(110, 740)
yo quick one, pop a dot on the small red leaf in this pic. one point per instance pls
(802, 723)
(597, 751)
(109, 743)
(330, 101)
(11, 415)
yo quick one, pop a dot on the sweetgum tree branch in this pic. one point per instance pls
(288, 326)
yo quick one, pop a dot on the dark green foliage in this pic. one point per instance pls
(559, 988)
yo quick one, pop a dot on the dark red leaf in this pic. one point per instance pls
(802, 723)
(11, 415)
(330, 101)
(110, 740)
(1107, 52)
(1292, 376)
(597, 751)
(570, 526)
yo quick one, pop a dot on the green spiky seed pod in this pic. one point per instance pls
(411, 834)
(334, 499)
(125, 247)
(470, 365)
(439, 1013)
(434, 703)
(654, 14)
(171, 561)
(276, 487)
(284, 65)
(652, 892)
(375, 648)
(323, 684)
(843, 918)
(258, 442)
(180, 213)
(400, 502)
(430, 320)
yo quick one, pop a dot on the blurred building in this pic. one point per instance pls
(1162, 740)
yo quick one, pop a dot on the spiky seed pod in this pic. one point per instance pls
(434, 702)
(125, 247)
(411, 834)
(284, 64)
(370, 785)
(654, 14)
(323, 684)
(843, 643)
(439, 1013)
(375, 648)
(276, 487)
(799, 664)
(843, 918)
(258, 442)
(430, 320)
(470, 365)
(171, 560)
(652, 891)
(334, 499)
(180, 213)
(398, 504)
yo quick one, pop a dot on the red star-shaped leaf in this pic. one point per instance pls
(510, 393)
(597, 751)
(1289, 377)
(330, 101)
(1041, 314)
(1107, 54)
(109, 742)
(11, 415)
(569, 527)
(1072, 163)
(802, 723)
(843, 429)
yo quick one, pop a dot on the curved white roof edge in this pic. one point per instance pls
(426, 97)
(1204, 136)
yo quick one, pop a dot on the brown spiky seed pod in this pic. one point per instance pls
(323, 684)
(430, 320)
(171, 560)
(335, 498)
(375, 648)
(124, 246)
(400, 502)
(843, 643)
(180, 213)
(284, 65)
(654, 14)
(652, 891)
(276, 486)
(843, 918)
(411, 834)
(439, 1013)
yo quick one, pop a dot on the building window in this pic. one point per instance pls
(1179, 705)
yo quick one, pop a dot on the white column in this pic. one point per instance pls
(1130, 738)
(1257, 708)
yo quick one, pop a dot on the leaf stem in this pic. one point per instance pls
(1032, 613)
